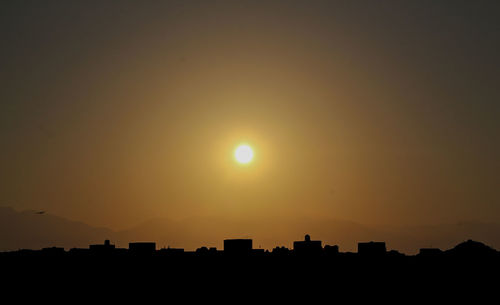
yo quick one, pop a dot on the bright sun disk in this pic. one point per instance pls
(243, 154)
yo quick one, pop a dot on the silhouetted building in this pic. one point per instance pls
(331, 250)
(238, 246)
(307, 247)
(207, 251)
(107, 247)
(202, 251)
(281, 251)
(372, 248)
(142, 248)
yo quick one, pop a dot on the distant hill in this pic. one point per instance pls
(444, 236)
(472, 248)
(28, 229)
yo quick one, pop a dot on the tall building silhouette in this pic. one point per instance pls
(307, 246)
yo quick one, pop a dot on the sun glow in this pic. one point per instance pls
(243, 154)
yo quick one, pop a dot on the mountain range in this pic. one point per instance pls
(31, 230)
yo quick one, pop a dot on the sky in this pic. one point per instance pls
(378, 112)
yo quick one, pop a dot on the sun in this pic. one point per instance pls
(243, 154)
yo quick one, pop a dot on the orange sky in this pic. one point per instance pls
(115, 113)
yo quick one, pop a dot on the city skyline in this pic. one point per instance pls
(235, 247)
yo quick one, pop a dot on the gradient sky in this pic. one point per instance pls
(380, 112)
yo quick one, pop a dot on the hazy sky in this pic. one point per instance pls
(388, 112)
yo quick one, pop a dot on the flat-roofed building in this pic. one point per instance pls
(238, 246)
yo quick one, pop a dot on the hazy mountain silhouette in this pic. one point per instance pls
(28, 229)
(31, 230)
